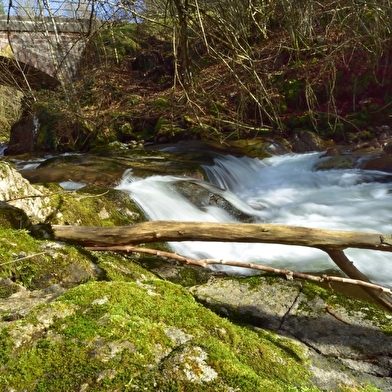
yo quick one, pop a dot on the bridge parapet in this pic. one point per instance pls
(42, 24)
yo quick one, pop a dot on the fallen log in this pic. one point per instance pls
(332, 242)
(165, 231)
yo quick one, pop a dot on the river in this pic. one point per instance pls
(283, 189)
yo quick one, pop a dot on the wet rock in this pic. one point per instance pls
(307, 141)
(382, 163)
(106, 168)
(205, 195)
(337, 162)
(333, 152)
(259, 147)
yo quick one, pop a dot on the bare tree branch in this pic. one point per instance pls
(204, 263)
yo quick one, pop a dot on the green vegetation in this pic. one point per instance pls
(38, 264)
(10, 100)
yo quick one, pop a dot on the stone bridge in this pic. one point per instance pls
(41, 52)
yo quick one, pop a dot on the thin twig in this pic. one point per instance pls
(204, 263)
(31, 196)
(55, 193)
(88, 196)
(333, 314)
(22, 258)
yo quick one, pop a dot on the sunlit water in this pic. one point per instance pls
(284, 189)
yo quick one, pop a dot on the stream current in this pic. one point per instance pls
(286, 190)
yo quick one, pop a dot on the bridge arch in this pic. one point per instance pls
(24, 77)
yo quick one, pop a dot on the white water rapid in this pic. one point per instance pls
(283, 189)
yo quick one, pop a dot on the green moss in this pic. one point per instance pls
(369, 311)
(36, 264)
(114, 335)
(117, 267)
(161, 103)
(14, 246)
(94, 206)
(312, 291)
(166, 128)
(13, 218)
(118, 41)
(190, 276)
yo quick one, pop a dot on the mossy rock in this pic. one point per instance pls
(340, 332)
(105, 167)
(36, 264)
(337, 163)
(107, 336)
(13, 218)
(94, 206)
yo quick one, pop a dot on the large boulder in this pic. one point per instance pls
(348, 340)
(306, 141)
(18, 192)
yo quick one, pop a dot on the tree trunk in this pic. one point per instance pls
(163, 231)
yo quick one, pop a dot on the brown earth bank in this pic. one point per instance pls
(138, 98)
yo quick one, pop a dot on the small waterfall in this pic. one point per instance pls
(3, 147)
(283, 189)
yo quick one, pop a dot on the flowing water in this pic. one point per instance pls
(283, 189)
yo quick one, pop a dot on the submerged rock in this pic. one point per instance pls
(204, 196)
(106, 168)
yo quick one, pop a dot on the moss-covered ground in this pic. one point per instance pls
(113, 336)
